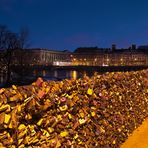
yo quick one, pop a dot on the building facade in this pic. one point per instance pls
(40, 57)
(110, 57)
(91, 56)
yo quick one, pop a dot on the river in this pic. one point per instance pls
(59, 73)
(56, 75)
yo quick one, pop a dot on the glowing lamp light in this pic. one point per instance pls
(57, 63)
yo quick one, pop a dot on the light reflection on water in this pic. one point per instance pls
(62, 74)
(52, 74)
(55, 74)
(2, 78)
(74, 74)
(44, 73)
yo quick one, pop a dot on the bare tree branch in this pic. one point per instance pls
(24, 38)
(10, 42)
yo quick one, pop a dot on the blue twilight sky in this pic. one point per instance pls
(68, 24)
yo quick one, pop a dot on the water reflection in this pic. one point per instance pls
(61, 74)
(55, 74)
(74, 74)
(34, 73)
(50, 74)
(85, 73)
(44, 73)
(2, 78)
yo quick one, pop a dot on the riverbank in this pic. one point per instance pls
(98, 111)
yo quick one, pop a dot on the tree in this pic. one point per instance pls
(24, 43)
(3, 30)
(12, 44)
(3, 46)
(9, 41)
(24, 38)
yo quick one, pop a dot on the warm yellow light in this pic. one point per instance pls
(44, 73)
(74, 74)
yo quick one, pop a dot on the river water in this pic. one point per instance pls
(62, 74)
(56, 74)
(29, 75)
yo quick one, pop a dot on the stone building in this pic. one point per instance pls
(89, 56)
(39, 56)
(94, 56)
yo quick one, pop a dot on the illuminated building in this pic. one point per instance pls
(39, 56)
(94, 56)
(86, 56)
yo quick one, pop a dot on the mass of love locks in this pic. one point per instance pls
(98, 111)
